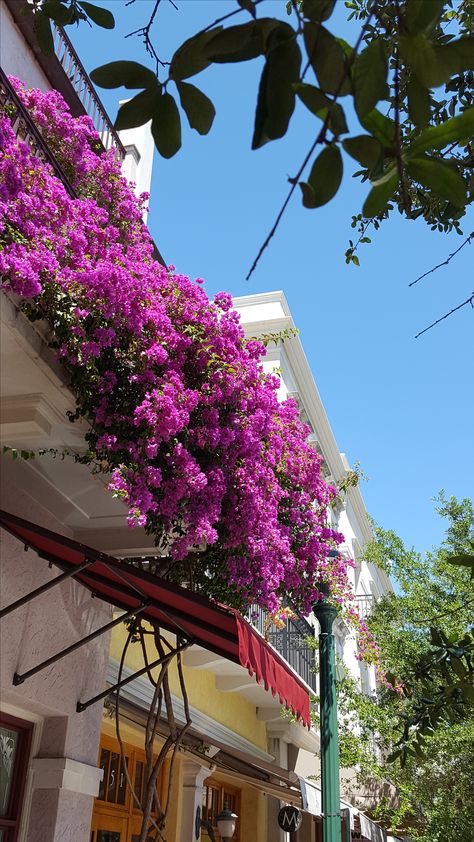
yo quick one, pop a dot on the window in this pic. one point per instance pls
(116, 817)
(214, 796)
(15, 742)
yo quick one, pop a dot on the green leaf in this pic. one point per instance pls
(249, 6)
(456, 129)
(432, 65)
(126, 74)
(422, 15)
(319, 104)
(459, 668)
(463, 559)
(326, 175)
(369, 77)
(439, 177)
(198, 107)
(419, 102)
(394, 755)
(309, 199)
(62, 15)
(166, 126)
(328, 59)
(102, 17)
(276, 95)
(436, 638)
(318, 10)
(44, 34)
(461, 54)
(138, 110)
(365, 149)
(380, 127)
(379, 196)
(191, 57)
(240, 43)
(314, 99)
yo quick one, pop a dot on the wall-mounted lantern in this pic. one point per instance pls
(226, 821)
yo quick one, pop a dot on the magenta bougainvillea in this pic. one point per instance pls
(182, 417)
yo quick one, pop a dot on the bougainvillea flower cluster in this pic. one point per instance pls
(181, 416)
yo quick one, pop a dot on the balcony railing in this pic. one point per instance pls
(365, 604)
(66, 74)
(24, 128)
(290, 642)
(79, 79)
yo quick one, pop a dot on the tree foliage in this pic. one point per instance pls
(421, 738)
(396, 105)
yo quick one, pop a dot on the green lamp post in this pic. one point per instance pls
(326, 613)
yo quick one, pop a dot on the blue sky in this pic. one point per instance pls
(402, 407)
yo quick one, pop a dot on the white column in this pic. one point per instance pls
(279, 749)
(194, 776)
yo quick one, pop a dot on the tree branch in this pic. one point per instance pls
(445, 262)
(398, 138)
(320, 138)
(469, 300)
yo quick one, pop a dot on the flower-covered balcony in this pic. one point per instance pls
(67, 74)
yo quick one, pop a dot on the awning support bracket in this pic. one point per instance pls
(68, 574)
(19, 678)
(83, 705)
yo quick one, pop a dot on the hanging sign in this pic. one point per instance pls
(290, 818)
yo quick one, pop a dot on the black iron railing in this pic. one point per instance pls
(25, 128)
(291, 642)
(90, 101)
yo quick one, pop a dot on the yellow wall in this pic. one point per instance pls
(253, 804)
(229, 709)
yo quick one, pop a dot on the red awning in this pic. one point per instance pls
(209, 624)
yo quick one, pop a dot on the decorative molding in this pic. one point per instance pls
(140, 693)
(64, 773)
(131, 149)
(233, 683)
(295, 735)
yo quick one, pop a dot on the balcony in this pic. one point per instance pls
(365, 604)
(66, 73)
(291, 642)
(84, 89)
(24, 128)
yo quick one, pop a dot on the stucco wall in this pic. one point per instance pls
(31, 634)
(15, 56)
(229, 709)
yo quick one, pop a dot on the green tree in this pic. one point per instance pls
(395, 106)
(425, 733)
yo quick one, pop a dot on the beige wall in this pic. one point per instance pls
(31, 634)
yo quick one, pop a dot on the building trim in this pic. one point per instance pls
(140, 693)
(64, 773)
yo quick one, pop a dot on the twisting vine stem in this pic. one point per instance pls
(152, 829)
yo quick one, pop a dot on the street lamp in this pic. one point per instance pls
(226, 821)
(326, 613)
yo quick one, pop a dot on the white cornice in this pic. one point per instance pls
(307, 389)
(140, 693)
